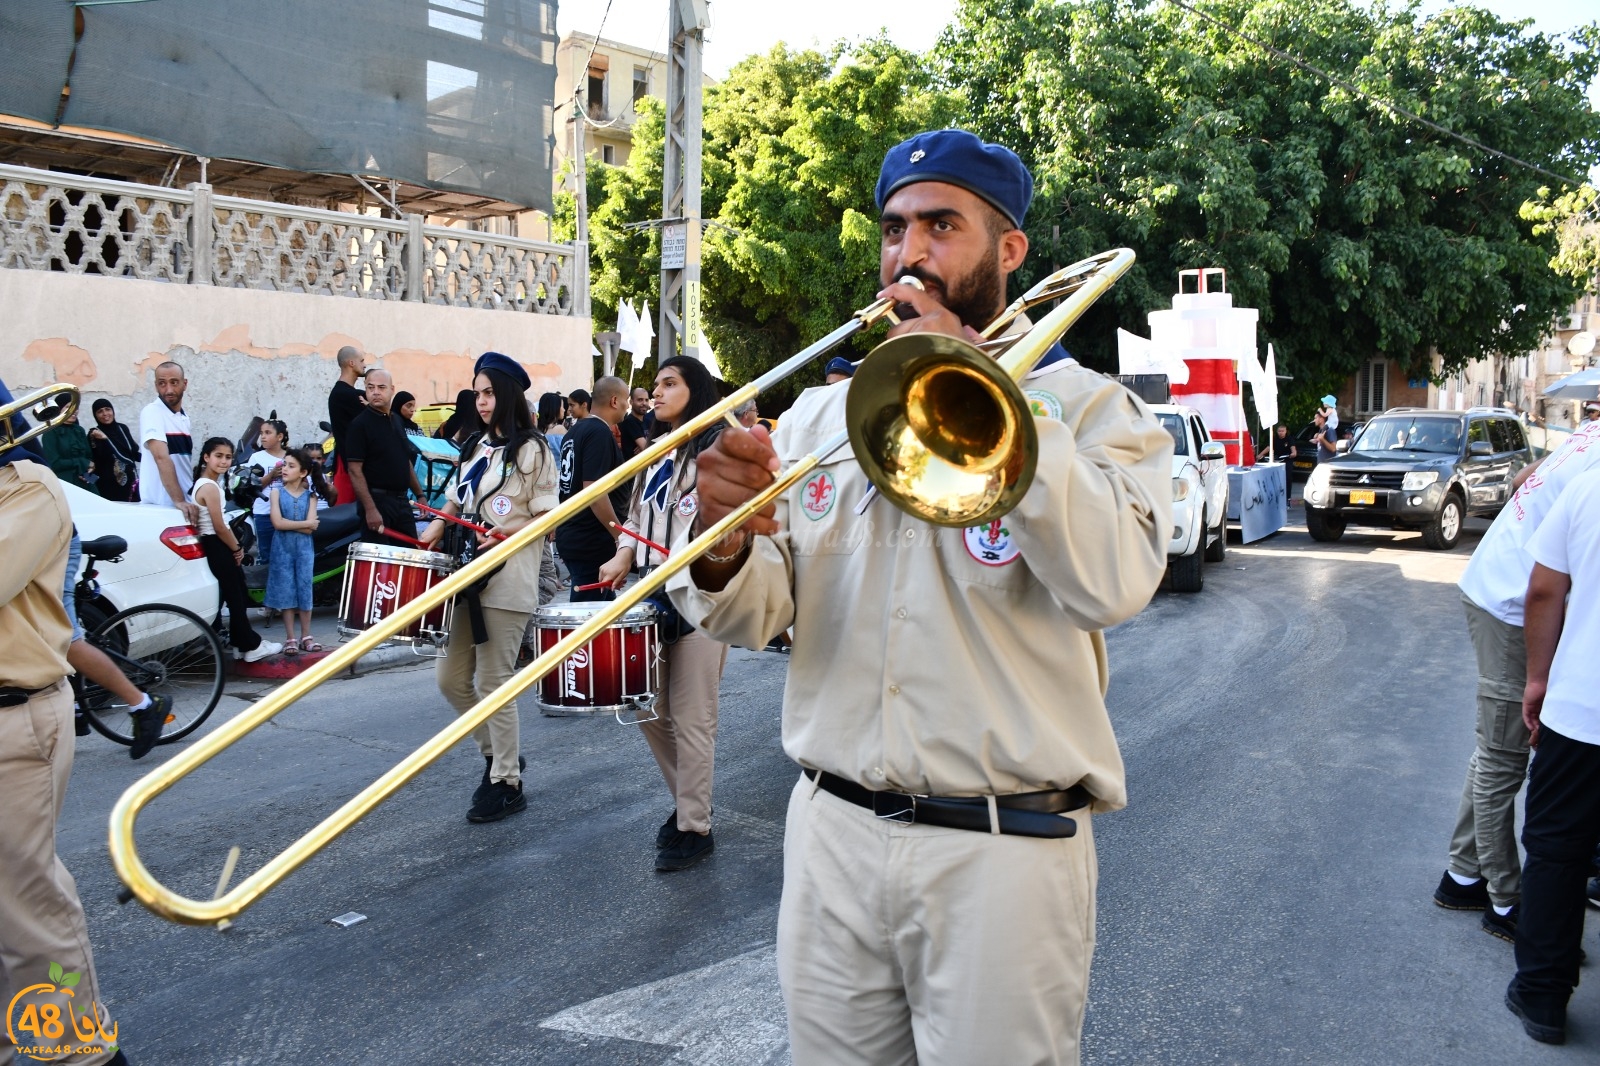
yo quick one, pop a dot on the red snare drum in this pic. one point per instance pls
(380, 579)
(615, 673)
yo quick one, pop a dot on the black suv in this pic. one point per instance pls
(1415, 468)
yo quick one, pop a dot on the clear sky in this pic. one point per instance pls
(742, 27)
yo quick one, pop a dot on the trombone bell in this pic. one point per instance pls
(941, 429)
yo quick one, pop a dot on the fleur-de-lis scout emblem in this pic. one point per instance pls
(992, 544)
(817, 496)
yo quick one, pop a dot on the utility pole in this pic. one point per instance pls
(679, 330)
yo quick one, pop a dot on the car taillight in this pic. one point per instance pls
(185, 540)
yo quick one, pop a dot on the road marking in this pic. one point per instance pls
(727, 1014)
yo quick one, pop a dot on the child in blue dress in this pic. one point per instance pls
(294, 517)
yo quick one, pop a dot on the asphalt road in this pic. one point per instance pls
(1295, 736)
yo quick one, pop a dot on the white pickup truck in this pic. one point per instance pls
(1199, 496)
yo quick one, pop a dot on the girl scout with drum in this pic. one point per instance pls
(506, 479)
(683, 737)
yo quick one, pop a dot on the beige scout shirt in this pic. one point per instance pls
(663, 506)
(35, 533)
(959, 662)
(509, 500)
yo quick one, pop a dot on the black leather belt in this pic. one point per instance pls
(11, 696)
(1025, 814)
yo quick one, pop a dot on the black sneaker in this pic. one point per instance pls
(147, 725)
(1593, 892)
(1503, 926)
(668, 830)
(1453, 896)
(80, 724)
(1546, 1024)
(483, 786)
(500, 801)
(684, 851)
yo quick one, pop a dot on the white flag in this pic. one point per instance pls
(627, 327)
(1138, 355)
(1266, 392)
(645, 333)
(709, 357)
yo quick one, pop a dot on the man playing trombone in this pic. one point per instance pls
(946, 689)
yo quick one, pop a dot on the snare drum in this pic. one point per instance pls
(615, 673)
(380, 579)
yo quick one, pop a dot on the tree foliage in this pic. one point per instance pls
(792, 144)
(1357, 232)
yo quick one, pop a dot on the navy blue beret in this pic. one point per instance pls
(503, 363)
(960, 158)
(839, 365)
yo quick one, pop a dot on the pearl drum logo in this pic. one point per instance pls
(991, 545)
(578, 660)
(382, 592)
(46, 1023)
(817, 496)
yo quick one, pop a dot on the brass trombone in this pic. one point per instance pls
(945, 367)
(52, 405)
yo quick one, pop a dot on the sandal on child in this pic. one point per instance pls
(291, 647)
(310, 644)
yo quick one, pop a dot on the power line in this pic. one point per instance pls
(1370, 98)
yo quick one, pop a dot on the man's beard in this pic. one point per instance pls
(976, 298)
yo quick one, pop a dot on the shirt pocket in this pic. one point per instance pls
(986, 555)
(822, 510)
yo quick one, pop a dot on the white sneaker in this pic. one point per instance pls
(263, 650)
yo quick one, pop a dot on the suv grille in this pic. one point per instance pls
(1376, 479)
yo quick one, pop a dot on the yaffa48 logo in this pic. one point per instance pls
(46, 1023)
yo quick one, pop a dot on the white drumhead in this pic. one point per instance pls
(573, 615)
(388, 553)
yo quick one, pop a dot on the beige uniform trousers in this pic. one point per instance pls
(41, 919)
(910, 944)
(471, 671)
(684, 738)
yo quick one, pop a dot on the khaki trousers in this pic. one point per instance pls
(471, 671)
(41, 919)
(1484, 843)
(684, 738)
(910, 944)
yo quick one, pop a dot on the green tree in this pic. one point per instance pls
(1355, 231)
(792, 144)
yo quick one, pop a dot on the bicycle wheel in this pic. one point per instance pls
(163, 651)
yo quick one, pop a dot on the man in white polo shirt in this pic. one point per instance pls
(166, 470)
(1485, 873)
(1561, 709)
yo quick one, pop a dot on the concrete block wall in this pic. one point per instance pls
(247, 351)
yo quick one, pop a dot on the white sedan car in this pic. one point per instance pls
(1199, 496)
(163, 563)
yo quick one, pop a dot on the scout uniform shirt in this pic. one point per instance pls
(35, 531)
(508, 499)
(665, 502)
(958, 662)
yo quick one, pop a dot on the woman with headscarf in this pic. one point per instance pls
(684, 736)
(405, 405)
(116, 454)
(506, 480)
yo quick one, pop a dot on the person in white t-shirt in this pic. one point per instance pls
(166, 469)
(268, 462)
(1561, 709)
(1484, 871)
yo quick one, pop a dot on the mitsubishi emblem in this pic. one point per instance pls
(916, 157)
(1364, 479)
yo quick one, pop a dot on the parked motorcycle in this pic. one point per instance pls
(338, 527)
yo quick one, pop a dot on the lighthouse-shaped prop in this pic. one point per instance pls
(1217, 342)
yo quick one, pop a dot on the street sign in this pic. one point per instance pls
(674, 245)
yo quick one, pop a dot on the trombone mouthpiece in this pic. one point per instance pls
(914, 282)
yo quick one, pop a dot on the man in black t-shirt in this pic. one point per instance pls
(634, 437)
(589, 452)
(380, 462)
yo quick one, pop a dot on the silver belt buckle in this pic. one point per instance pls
(905, 811)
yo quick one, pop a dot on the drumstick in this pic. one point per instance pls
(595, 585)
(643, 540)
(386, 532)
(485, 530)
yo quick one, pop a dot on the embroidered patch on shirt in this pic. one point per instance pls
(500, 505)
(687, 505)
(1044, 404)
(991, 545)
(817, 496)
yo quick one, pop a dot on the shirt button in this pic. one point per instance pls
(877, 771)
(901, 612)
(894, 690)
